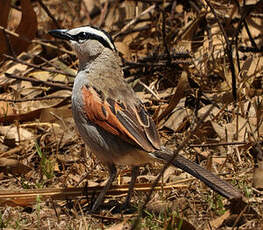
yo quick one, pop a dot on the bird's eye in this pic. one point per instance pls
(82, 36)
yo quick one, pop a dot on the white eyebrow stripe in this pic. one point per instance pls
(94, 31)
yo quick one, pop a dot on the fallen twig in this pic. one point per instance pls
(33, 99)
(218, 144)
(27, 197)
(38, 66)
(48, 13)
(61, 86)
(126, 27)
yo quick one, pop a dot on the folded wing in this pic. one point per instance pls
(130, 122)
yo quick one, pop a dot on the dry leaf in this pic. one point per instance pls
(121, 226)
(13, 166)
(182, 86)
(178, 119)
(216, 223)
(26, 33)
(258, 176)
(6, 108)
(124, 49)
(55, 114)
(16, 133)
(232, 132)
(169, 175)
(29, 110)
(5, 8)
(173, 222)
(45, 76)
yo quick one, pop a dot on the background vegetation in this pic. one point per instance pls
(197, 67)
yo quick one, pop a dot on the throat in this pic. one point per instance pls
(86, 61)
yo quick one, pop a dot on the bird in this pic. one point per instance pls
(112, 120)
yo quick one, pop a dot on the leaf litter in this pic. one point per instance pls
(175, 57)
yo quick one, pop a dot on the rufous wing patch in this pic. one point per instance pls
(119, 119)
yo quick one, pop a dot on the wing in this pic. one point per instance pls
(130, 122)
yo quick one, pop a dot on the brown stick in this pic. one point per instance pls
(33, 99)
(57, 85)
(48, 13)
(133, 21)
(218, 144)
(37, 66)
(26, 197)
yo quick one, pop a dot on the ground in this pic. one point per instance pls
(197, 68)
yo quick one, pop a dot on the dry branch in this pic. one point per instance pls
(56, 85)
(28, 197)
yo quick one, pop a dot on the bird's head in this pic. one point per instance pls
(87, 41)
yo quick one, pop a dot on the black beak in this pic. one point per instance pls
(61, 34)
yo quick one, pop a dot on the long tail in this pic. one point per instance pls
(211, 180)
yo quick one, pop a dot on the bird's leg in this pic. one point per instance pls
(99, 200)
(135, 173)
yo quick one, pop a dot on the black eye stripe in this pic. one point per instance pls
(89, 36)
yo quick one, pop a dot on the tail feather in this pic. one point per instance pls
(211, 180)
